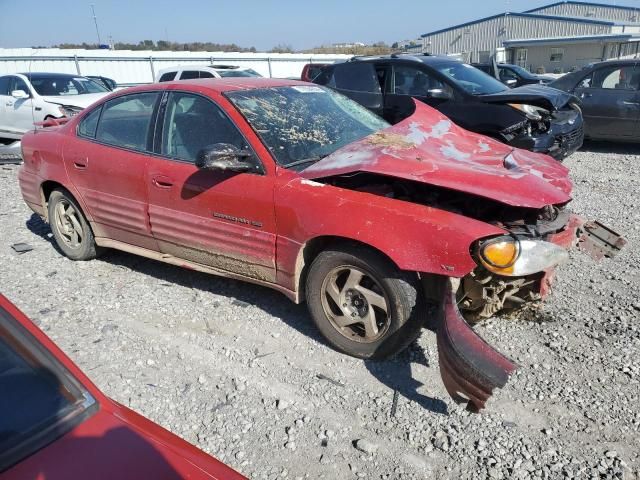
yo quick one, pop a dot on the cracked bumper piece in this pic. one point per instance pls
(470, 368)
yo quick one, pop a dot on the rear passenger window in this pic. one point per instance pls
(204, 74)
(167, 77)
(125, 120)
(88, 124)
(415, 82)
(189, 75)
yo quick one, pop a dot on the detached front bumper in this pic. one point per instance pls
(470, 368)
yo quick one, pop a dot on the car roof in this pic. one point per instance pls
(223, 84)
(37, 75)
(402, 57)
(617, 61)
(215, 66)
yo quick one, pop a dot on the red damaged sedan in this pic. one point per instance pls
(296, 187)
(56, 425)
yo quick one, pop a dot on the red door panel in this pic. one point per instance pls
(224, 220)
(107, 165)
(111, 183)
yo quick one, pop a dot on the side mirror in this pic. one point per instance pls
(438, 93)
(223, 157)
(511, 82)
(19, 94)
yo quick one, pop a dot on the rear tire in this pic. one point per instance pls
(363, 304)
(70, 228)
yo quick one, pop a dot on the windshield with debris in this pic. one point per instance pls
(301, 124)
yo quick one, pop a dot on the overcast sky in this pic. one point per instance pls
(260, 23)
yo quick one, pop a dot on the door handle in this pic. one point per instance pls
(626, 102)
(81, 164)
(586, 95)
(162, 182)
(8, 104)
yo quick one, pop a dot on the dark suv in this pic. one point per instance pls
(533, 117)
(513, 75)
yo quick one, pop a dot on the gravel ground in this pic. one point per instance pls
(240, 372)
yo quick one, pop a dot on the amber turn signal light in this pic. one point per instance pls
(500, 253)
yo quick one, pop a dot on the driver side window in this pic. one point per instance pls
(191, 123)
(616, 78)
(507, 74)
(416, 83)
(18, 84)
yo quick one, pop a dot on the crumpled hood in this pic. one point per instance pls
(429, 148)
(81, 101)
(539, 95)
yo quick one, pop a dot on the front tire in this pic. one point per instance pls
(363, 304)
(70, 228)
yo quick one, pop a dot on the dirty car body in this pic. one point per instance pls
(532, 117)
(311, 194)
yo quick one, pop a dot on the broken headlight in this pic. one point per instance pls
(531, 111)
(515, 257)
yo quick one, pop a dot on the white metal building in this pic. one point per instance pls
(554, 38)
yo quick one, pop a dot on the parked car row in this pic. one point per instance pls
(31, 98)
(293, 186)
(604, 97)
(532, 117)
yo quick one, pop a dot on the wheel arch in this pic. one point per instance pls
(49, 186)
(309, 251)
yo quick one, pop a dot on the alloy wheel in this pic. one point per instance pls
(68, 224)
(355, 304)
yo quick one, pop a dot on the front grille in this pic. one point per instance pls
(571, 138)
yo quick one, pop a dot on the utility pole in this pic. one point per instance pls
(95, 20)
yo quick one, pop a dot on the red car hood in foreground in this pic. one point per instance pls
(427, 147)
(108, 441)
(108, 447)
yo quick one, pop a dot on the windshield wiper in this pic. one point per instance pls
(304, 161)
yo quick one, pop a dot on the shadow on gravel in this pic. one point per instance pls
(396, 374)
(37, 225)
(611, 147)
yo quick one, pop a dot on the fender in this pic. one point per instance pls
(415, 237)
(35, 171)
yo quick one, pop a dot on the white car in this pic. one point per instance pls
(27, 98)
(189, 72)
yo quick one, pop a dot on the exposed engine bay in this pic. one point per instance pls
(482, 293)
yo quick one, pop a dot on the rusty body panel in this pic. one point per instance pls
(425, 193)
